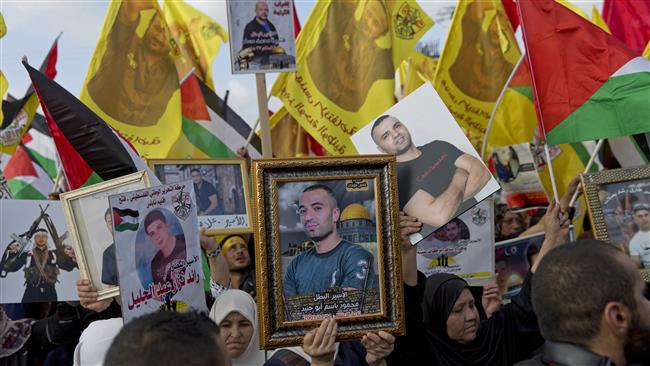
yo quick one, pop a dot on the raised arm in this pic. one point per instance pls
(437, 211)
(478, 175)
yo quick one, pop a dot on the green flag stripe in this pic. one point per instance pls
(620, 107)
(205, 141)
(22, 190)
(94, 178)
(526, 91)
(47, 164)
(127, 226)
(583, 155)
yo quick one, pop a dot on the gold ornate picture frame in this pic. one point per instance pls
(87, 214)
(304, 274)
(613, 198)
(226, 178)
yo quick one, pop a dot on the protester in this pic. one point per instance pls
(95, 341)
(168, 338)
(235, 312)
(442, 322)
(591, 311)
(231, 265)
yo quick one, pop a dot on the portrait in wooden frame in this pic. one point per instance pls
(90, 225)
(222, 180)
(618, 201)
(327, 244)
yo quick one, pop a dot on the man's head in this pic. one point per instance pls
(390, 135)
(589, 292)
(509, 224)
(504, 154)
(318, 211)
(155, 225)
(235, 251)
(642, 217)
(374, 19)
(108, 218)
(155, 36)
(262, 10)
(452, 229)
(197, 176)
(168, 338)
(40, 238)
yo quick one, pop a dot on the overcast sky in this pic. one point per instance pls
(32, 26)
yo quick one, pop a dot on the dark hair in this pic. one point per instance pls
(167, 338)
(641, 207)
(574, 283)
(195, 170)
(327, 189)
(152, 216)
(378, 121)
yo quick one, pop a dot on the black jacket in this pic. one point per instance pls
(565, 354)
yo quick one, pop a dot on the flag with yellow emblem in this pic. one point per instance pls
(347, 53)
(197, 37)
(132, 82)
(479, 56)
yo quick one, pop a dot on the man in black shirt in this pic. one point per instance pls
(171, 248)
(260, 35)
(207, 199)
(109, 265)
(437, 181)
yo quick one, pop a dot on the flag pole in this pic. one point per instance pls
(262, 104)
(540, 117)
(592, 158)
(496, 105)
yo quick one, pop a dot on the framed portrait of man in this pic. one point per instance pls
(221, 189)
(618, 201)
(261, 36)
(91, 227)
(440, 174)
(512, 260)
(326, 239)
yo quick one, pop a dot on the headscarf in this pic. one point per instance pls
(242, 303)
(13, 333)
(95, 341)
(440, 295)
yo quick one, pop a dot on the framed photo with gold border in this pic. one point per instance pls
(221, 188)
(619, 208)
(90, 223)
(327, 245)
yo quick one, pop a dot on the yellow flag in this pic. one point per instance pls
(3, 27)
(415, 71)
(288, 137)
(4, 85)
(598, 20)
(196, 36)
(478, 57)
(646, 53)
(347, 54)
(132, 82)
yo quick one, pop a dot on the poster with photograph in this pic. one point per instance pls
(315, 215)
(38, 263)
(464, 247)
(158, 250)
(261, 36)
(221, 188)
(516, 170)
(510, 223)
(512, 260)
(440, 174)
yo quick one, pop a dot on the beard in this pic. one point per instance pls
(637, 344)
(319, 238)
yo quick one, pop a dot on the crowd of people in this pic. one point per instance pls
(581, 303)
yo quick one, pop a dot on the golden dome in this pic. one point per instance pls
(355, 211)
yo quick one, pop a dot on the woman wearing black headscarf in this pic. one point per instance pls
(443, 326)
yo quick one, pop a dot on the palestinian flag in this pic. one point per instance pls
(40, 145)
(210, 129)
(593, 86)
(125, 219)
(26, 179)
(17, 114)
(89, 149)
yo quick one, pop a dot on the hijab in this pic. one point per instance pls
(13, 333)
(95, 341)
(242, 303)
(440, 295)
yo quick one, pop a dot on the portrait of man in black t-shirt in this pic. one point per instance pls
(437, 181)
(207, 198)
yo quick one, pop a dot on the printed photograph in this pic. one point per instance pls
(221, 190)
(440, 175)
(512, 260)
(38, 262)
(261, 36)
(328, 245)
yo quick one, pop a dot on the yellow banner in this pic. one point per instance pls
(197, 38)
(3, 26)
(598, 20)
(478, 57)
(287, 136)
(646, 53)
(132, 82)
(4, 85)
(347, 55)
(415, 71)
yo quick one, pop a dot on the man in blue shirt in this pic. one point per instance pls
(332, 262)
